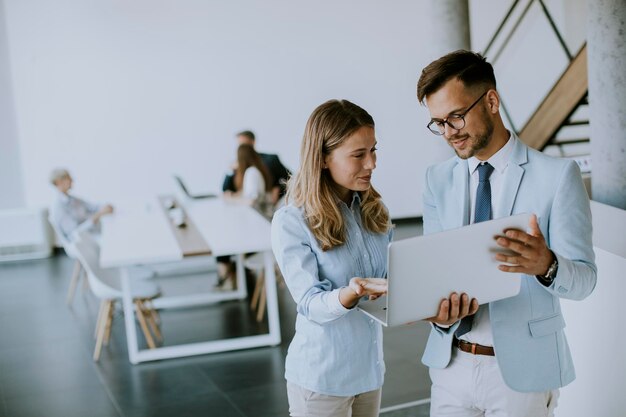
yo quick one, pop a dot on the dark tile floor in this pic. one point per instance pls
(46, 367)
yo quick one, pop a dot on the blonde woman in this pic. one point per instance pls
(333, 230)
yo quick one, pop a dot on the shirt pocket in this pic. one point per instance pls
(546, 325)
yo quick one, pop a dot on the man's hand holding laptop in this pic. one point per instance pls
(529, 255)
(454, 309)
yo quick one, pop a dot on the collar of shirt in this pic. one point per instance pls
(63, 198)
(356, 201)
(498, 161)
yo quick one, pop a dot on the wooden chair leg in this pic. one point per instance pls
(143, 325)
(109, 325)
(280, 280)
(155, 314)
(73, 282)
(154, 327)
(101, 330)
(156, 331)
(100, 314)
(256, 293)
(261, 310)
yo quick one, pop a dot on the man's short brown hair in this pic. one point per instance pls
(471, 68)
(248, 134)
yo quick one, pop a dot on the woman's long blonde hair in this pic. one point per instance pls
(311, 187)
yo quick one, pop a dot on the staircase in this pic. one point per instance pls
(560, 124)
(559, 105)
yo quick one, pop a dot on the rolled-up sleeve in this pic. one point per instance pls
(291, 242)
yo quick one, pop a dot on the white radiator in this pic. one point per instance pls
(24, 234)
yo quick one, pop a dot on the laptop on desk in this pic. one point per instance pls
(186, 191)
(426, 269)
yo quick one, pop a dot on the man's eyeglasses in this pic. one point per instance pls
(455, 121)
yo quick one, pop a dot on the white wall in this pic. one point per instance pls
(11, 195)
(126, 93)
(594, 326)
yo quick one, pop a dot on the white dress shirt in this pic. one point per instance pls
(253, 184)
(481, 328)
(69, 213)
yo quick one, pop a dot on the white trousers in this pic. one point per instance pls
(472, 386)
(305, 403)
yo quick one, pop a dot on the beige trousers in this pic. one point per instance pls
(472, 386)
(305, 403)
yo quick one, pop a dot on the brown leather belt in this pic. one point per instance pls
(473, 348)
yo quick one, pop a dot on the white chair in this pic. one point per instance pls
(77, 271)
(105, 284)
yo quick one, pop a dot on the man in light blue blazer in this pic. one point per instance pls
(511, 356)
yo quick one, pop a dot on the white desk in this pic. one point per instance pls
(145, 237)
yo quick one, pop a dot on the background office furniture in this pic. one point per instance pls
(189, 194)
(77, 271)
(145, 237)
(105, 284)
(259, 300)
(24, 234)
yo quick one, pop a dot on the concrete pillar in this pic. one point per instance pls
(606, 45)
(11, 194)
(450, 31)
(450, 26)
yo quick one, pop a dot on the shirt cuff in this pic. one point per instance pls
(334, 305)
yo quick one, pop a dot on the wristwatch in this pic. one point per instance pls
(549, 276)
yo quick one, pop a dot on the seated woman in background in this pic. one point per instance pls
(333, 230)
(252, 180)
(68, 213)
(253, 184)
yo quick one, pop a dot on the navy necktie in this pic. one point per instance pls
(482, 212)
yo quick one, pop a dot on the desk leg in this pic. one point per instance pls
(272, 298)
(129, 317)
(241, 277)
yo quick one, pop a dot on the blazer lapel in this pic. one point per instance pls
(512, 179)
(460, 188)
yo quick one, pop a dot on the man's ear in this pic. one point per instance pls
(493, 101)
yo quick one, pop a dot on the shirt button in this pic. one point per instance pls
(365, 255)
(371, 321)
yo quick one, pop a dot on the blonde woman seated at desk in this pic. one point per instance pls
(68, 213)
(253, 183)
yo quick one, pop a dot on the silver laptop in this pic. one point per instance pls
(185, 190)
(426, 269)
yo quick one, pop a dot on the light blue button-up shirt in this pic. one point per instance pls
(335, 351)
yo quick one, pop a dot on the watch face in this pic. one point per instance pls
(552, 270)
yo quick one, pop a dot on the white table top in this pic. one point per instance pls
(230, 228)
(144, 236)
(139, 236)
